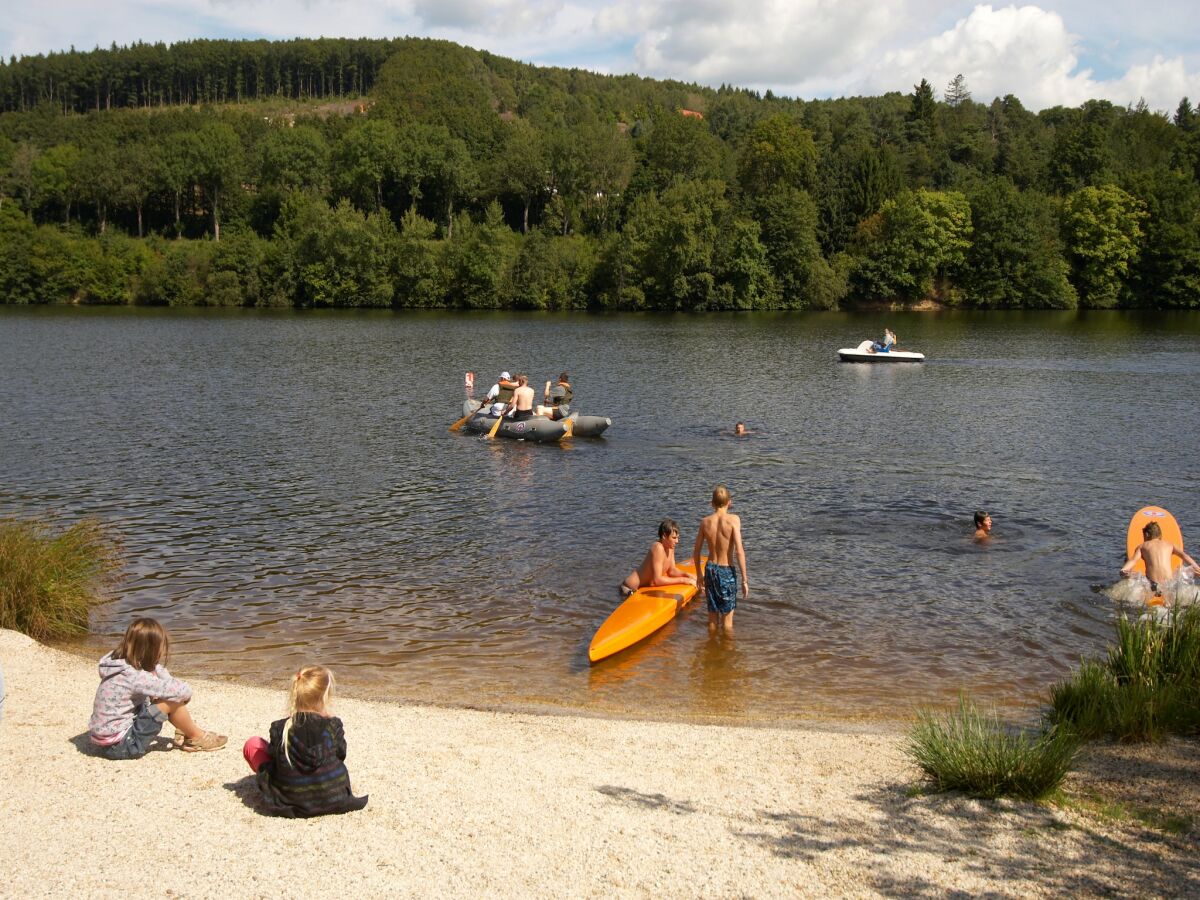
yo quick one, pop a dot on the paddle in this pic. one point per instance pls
(500, 418)
(569, 425)
(463, 421)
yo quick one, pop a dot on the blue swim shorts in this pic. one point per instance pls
(720, 588)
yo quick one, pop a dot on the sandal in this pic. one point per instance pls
(210, 740)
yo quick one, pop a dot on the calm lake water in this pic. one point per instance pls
(287, 492)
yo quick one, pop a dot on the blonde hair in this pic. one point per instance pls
(720, 496)
(144, 645)
(311, 692)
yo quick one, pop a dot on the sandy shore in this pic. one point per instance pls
(465, 803)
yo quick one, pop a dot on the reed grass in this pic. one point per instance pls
(968, 751)
(51, 578)
(1148, 685)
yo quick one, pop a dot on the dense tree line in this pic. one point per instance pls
(465, 179)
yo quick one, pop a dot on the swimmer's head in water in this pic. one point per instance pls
(1152, 532)
(668, 528)
(739, 428)
(980, 516)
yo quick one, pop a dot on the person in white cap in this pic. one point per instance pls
(501, 394)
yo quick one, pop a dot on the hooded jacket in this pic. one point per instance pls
(312, 779)
(122, 691)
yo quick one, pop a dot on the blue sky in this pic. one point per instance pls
(1049, 53)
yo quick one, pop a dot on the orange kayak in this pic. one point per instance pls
(643, 613)
(1134, 538)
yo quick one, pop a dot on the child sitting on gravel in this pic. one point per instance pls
(137, 695)
(302, 770)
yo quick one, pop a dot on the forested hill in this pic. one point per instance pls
(413, 172)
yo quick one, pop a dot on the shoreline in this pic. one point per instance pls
(466, 802)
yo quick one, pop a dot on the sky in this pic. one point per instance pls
(1057, 52)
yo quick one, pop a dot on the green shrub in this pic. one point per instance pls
(1147, 687)
(1085, 701)
(49, 581)
(974, 753)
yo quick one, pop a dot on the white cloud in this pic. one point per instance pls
(1026, 51)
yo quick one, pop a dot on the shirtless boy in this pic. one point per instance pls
(658, 568)
(722, 531)
(1156, 554)
(522, 400)
(983, 526)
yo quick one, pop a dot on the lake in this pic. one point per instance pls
(287, 492)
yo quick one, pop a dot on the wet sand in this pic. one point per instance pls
(466, 803)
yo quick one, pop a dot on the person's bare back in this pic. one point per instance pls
(1156, 553)
(721, 530)
(658, 568)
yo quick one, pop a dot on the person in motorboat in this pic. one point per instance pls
(658, 568)
(557, 399)
(983, 525)
(1156, 553)
(886, 345)
(500, 394)
(522, 400)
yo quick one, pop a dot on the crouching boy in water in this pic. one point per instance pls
(1156, 553)
(658, 568)
(722, 531)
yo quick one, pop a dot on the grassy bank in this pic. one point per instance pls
(1146, 687)
(50, 578)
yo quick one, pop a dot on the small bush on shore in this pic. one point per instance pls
(50, 580)
(974, 753)
(1146, 688)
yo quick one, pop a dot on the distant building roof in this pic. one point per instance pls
(692, 113)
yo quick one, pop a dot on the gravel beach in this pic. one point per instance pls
(468, 803)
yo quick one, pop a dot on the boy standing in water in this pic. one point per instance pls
(1156, 554)
(722, 531)
(658, 568)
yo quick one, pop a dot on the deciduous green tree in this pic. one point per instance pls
(1102, 228)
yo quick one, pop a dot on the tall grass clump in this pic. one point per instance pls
(968, 751)
(49, 580)
(1147, 686)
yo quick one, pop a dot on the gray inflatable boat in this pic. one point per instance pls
(537, 428)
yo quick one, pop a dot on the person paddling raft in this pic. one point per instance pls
(658, 569)
(522, 400)
(499, 395)
(1156, 553)
(557, 400)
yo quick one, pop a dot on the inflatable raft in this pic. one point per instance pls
(863, 353)
(644, 612)
(581, 426)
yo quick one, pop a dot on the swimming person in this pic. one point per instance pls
(1156, 553)
(740, 429)
(983, 525)
(137, 696)
(722, 531)
(658, 568)
(301, 771)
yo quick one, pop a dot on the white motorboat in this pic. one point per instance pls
(864, 353)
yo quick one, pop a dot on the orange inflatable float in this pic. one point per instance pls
(644, 612)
